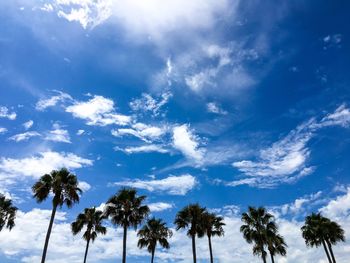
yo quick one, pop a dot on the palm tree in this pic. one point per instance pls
(155, 231)
(126, 210)
(190, 218)
(254, 229)
(334, 234)
(276, 245)
(63, 185)
(212, 225)
(7, 213)
(319, 230)
(92, 218)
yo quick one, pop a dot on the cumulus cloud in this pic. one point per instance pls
(188, 143)
(339, 207)
(32, 226)
(27, 125)
(98, 111)
(44, 162)
(5, 113)
(43, 104)
(84, 186)
(24, 136)
(58, 135)
(2, 130)
(173, 185)
(155, 18)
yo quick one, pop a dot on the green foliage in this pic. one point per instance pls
(7, 213)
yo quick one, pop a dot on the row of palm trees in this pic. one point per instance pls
(126, 209)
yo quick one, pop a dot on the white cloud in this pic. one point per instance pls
(159, 206)
(186, 142)
(84, 186)
(173, 185)
(44, 162)
(32, 226)
(43, 104)
(145, 132)
(98, 111)
(215, 108)
(5, 113)
(143, 149)
(340, 117)
(27, 125)
(285, 161)
(149, 104)
(58, 135)
(24, 136)
(339, 207)
(80, 132)
(3, 130)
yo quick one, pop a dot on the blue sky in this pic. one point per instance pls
(227, 103)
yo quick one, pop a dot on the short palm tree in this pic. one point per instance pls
(7, 213)
(319, 230)
(212, 225)
(92, 219)
(153, 232)
(63, 186)
(190, 218)
(126, 209)
(254, 229)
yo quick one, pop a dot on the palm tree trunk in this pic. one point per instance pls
(86, 250)
(53, 213)
(210, 250)
(325, 249)
(331, 251)
(152, 255)
(272, 259)
(124, 243)
(194, 249)
(264, 256)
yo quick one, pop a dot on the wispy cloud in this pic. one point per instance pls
(285, 161)
(24, 136)
(27, 125)
(143, 149)
(173, 185)
(43, 104)
(159, 206)
(149, 104)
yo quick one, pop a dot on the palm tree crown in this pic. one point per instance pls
(153, 232)
(64, 187)
(125, 209)
(190, 217)
(92, 219)
(62, 184)
(254, 229)
(7, 213)
(319, 230)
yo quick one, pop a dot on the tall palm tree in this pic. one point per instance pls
(155, 231)
(63, 185)
(334, 234)
(126, 210)
(7, 213)
(212, 225)
(319, 230)
(276, 245)
(92, 219)
(254, 229)
(190, 218)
